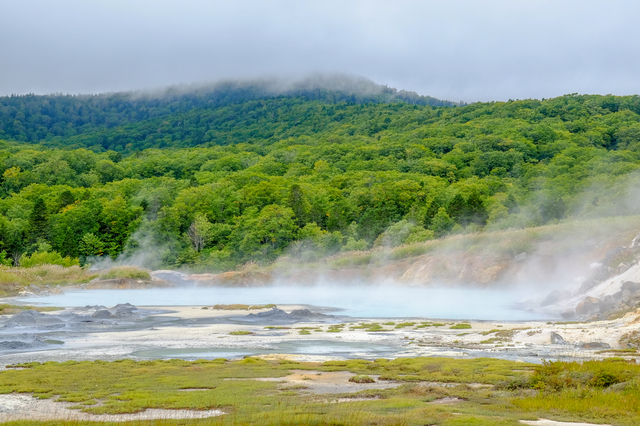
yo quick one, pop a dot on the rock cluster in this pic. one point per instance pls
(616, 261)
(275, 314)
(35, 290)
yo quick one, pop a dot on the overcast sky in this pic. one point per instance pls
(457, 50)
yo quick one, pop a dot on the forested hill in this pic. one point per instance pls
(229, 112)
(313, 177)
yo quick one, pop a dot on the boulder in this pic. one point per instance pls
(593, 345)
(607, 303)
(631, 286)
(636, 242)
(35, 289)
(557, 339)
(588, 305)
(101, 314)
(568, 314)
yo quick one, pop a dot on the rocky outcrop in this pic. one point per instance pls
(589, 305)
(556, 339)
(297, 315)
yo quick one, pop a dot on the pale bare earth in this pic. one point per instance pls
(25, 407)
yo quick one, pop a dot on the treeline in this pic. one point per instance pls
(185, 116)
(385, 174)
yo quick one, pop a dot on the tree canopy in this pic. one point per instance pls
(248, 177)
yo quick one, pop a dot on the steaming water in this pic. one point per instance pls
(355, 301)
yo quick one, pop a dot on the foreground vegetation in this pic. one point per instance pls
(215, 181)
(598, 391)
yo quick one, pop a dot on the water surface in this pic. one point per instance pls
(355, 301)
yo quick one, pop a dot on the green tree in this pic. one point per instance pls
(38, 221)
(199, 232)
(441, 223)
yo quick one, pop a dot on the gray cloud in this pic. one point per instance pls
(459, 50)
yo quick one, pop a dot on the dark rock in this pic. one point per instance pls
(19, 344)
(101, 314)
(617, 296)
(587, 306)
(607, 303)
(631, 286)
(305, 313)
(275, 314)
(568, 314)
(593, 345)
(33, 318)
(557, 339)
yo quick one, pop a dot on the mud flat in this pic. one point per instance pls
(301, 333)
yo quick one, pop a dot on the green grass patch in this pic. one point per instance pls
(461, 326)
(6, 309)
(242, 307)
(240, 333)
(362, 378)
(595, 391)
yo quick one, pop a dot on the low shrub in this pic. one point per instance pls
(131, 272)
(360, 378)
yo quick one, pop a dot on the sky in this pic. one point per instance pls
(457, 50)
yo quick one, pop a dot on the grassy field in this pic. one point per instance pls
(13, 280)
(602, 391)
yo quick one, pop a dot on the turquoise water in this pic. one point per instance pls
(355, 301)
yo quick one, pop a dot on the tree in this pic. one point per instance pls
(199, 231)
(38, 224)
(265, 234)
(299, 205)
(441, 223)
(90, 245)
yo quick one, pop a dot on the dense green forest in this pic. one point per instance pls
(215, 179)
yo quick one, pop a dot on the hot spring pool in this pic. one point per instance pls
(355, 301)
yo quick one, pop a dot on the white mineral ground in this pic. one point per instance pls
(194, 333)
(530, 338)
(25, 407)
